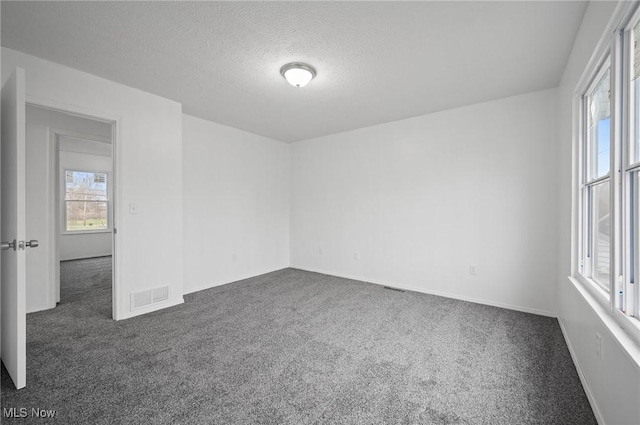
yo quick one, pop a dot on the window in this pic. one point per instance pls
(608, 174)
(596, 180)
(86, 201)
(599, 125)
(634, 72)
(628, 291)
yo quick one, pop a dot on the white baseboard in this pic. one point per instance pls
(432, 292)
(37, 308)
(87, 256)
(583, 379)
(233, 279)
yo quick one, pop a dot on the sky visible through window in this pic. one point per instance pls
(604, 145)
(84, 185)
(600, 128)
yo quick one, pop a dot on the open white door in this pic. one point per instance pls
(12, 231)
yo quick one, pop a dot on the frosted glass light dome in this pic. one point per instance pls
(298, 74)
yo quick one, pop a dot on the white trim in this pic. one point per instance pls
(609, 45)
(78, 111)
(622, 9)
(206, 286)
(626, 341)
(119, 308)
(628, 182)
(577, 244)
(54, 210)
(618, 110)
(628, 24)
(627, 213)
(86, 232)
(52, 207)
(581, 375)
(633, 167)
(72, 134)
(62, 194)
(431, 292)
(597, 290)
(39, 308)
(598, 180)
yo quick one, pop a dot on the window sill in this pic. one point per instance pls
(594, 287)
(624, 330)
(86, 232)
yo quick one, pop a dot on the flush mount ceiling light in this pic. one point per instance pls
(298, 74)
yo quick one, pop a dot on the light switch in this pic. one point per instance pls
(133, 208)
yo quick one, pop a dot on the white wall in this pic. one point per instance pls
(613, 383)
(148, 153)
(89, 156)
(236, 209)
(41, 199)
(420, 200)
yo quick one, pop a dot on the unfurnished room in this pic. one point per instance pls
(320, 212)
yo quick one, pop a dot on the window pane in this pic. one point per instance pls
(83, 185)
(635, 93)
(599, 127)
(627, 304)
(87, 215)
(601, 234)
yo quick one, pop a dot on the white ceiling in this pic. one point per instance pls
(376, 61)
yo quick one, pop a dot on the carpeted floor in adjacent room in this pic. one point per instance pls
(293, 347)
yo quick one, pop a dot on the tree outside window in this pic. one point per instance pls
(86, 201)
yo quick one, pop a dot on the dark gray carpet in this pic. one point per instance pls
(78, 277)
(293, 347)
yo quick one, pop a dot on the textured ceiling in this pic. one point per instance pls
(376, 61)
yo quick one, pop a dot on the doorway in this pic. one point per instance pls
(70, 195)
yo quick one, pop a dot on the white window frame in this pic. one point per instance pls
(587, 183)
(612, 48)
(630, 281)
(63, 197)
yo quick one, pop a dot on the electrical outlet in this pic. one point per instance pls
(356, 255)
(234, 256)
(320, 251)
(473, 269)
(598, 346)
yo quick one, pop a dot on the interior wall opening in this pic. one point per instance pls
(70, 205)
